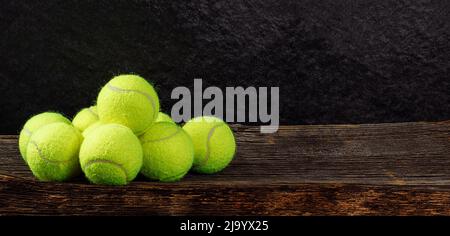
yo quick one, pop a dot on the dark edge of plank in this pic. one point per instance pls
(234, 199)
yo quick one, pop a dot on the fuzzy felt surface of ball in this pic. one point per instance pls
(85, 118)
(163, 117)
(52, 152)
(128, 100)
(168, 152)
(111, 155)
(214, 143)
(91, 128)
(33, 124)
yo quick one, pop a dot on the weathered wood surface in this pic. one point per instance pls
(374, 169)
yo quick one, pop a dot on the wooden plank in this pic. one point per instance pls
(371, 169)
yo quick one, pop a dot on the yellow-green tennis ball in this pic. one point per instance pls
(163, 117)
(214, 144)
(52, 152)
(128, 100)
(168, 152)
(85, 118)
(111, 155)
(33, 124)
(91, 128)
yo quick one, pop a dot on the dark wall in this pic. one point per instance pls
(334, 61)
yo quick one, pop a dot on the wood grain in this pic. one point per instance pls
(373, 169)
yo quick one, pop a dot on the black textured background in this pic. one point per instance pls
(334, 61)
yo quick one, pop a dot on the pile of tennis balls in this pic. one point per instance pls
(123, 135)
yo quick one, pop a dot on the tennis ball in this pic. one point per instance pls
(162, 117)
(128, 100)
(52, 152)
(33, 124)
(168, 152)
(85, 118)
(214, 144)
(91, 128)
(111, 154)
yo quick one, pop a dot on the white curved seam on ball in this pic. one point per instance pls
(208, 148)
(162, 139)
(89, 163)
(44, 158)
(116, 89)
(93, 112)
(140, 132)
